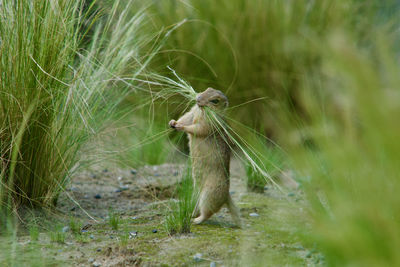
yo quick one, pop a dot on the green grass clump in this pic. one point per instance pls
(54, 95)
(75, 226)
(57, 236)
(179, 214)
(272, 162)
(113, 220)
(34, 233)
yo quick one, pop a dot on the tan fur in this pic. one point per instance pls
(210, 155)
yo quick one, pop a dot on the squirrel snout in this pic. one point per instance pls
(199, 102)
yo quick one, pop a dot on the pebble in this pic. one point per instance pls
(91, 236)
(65, 229)
(118, 190)
(123, 187)
(253, 214)
(73, 208)
(133, 234)
(90, 260)
(86, 196)
(134, 218)
(154, 231)
(119, 178)
(94, 176)
(97, 196)
(96, 264)
(291, 194)
(198, 257)
(213, 264)
(266, 187)
(176, 173)
(98, 250)
(133, 171)
(156, 174)
(105, 170)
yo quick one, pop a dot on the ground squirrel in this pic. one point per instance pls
(210, 153)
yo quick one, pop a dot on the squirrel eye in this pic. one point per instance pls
(215, 101)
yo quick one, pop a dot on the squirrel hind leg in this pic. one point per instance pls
(204, 215)
(234, 212)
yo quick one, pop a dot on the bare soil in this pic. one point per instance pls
(139, 198)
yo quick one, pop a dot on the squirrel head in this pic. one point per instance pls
(212, 98)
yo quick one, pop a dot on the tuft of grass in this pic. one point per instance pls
(57, 236)
(55, 96)
(34, 233)
(113, 220)
(75, 226)
(179, 214)
(272, 162)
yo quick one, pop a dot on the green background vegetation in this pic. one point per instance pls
(319, 78)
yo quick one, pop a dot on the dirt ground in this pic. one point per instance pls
(139, 198)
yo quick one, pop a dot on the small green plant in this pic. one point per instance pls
(34, 233)
(270, 160)
(57, 236)
(75, 226)
(82, 238)
(124, 237)
(113, 220)
(178, 218)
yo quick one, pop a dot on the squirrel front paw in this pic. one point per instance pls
(172, 123)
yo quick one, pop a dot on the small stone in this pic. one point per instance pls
(86, 196)
(133, 171)
(123, 187)
(118, 190)
(213, 264)
(176, 173)
(98, 250)
(94, 176)
(154, 231)
(90, 260)
(253, 214)
(308, 255)
(134, 218)
(73, 208)
(73, 189)
(133, 234)
(119, 178)
(156, 174)
(105, 170)
(96, 264)
(198, 257)
(291, 194)
(65, 229)
(91, 236)
(266, 187)
(97, 196)
(86, 226)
